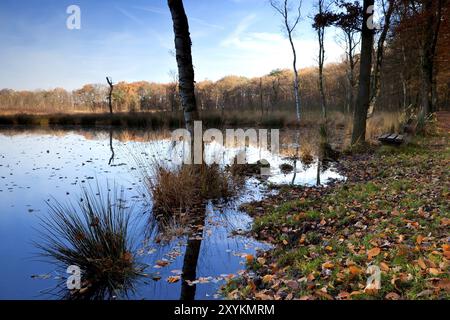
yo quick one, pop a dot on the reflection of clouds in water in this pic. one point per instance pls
(73, 158)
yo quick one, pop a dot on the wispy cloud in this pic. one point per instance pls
(130, 15)
(235, 37)
(166, 13)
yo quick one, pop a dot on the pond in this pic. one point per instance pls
(47, 166)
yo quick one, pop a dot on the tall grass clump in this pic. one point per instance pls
(186, 187)
(93, 235)
(179, 193)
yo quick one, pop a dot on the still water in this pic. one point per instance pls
(36, 167)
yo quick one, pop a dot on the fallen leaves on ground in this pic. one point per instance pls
(392, 213)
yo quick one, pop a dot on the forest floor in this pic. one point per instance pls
(393, 213)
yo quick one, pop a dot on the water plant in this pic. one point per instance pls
(93, 235)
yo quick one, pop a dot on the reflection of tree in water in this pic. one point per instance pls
(190, 269)
(111, 159)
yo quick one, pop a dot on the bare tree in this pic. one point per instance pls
(379, 55)
(349, 21)
(322, 20)
(172, 90)
(111, 88)
(184, 61)
(284, 8)
(363, 99)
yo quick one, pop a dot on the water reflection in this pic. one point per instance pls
(35, 166)
(111, 159)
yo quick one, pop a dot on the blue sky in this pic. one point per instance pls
(132, 40)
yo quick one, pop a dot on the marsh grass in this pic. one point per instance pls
(95, 236)
(179, 193)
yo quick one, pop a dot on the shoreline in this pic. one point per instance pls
(325, 238)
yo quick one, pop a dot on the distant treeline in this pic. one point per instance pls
(400, 85)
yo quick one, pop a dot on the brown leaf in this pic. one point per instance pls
(162, 263)
(344, 295)
(392, 296)
(444, 284)
(293, 284)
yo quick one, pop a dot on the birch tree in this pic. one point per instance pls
(184, 61)
(291, 19)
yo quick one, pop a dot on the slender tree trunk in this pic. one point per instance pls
(323, 102)
(296, 82)
(379, 58)
(363, 99)
(432, 26)
(184, 61)
(294, 66)
(261, 104)
(111, 88)
(351, 74)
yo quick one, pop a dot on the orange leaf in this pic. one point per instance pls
(173, 279)
(373, 253)
(434, 271)
(384, 266)
(354, 270)
(421, 264)
(419, 239)
(249, 258)
(327, 265)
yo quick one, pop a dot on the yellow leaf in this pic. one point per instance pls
(373, 253)
(327, 265)
(267, 278)
(302, 239)
(261, 260)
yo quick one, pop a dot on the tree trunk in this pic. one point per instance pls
(431, 28)
(111, 87)
(296, 79)
(184, 61)
(379, 58)
(323, 102)
(261, 104)
(363, 98)
(351, 74)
